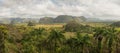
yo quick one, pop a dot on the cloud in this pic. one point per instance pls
(88, 8)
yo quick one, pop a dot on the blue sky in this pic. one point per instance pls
(105, 9)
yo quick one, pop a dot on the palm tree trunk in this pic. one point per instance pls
(99, 46)
(117, 49)
(2, 42)
(82, 48)
(110, 45)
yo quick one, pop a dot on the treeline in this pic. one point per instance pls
(21, 39)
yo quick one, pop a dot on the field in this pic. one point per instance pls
(49, 26)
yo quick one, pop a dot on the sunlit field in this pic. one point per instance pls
(49, 26)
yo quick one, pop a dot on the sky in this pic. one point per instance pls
(105, 9)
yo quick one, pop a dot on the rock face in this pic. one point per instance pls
(62, 19)
(116, 24)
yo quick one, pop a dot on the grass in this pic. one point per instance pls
(117, 29)
(69, 35)
(61, 25)
(96, 24)
(49, 26)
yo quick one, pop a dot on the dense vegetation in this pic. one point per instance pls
(85, 39)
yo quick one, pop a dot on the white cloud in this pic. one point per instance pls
(88, 8)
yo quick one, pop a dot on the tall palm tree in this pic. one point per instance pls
(55, 40)
(3, 33)
(112, 37)
(80, 44)
(72, 46)
(99, 35)
(32, 41)
(85, 43)
(117, 41)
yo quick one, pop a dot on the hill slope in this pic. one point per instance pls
(62, 19)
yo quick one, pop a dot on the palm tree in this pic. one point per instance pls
(85, 42)
(80, 44)
(99, 35)
(112, 37)
(55, 40)
(32, 41)
(72, 46)
(3, 33)
(117, 41)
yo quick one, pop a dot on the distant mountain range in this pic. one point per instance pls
(48, 20)
(61, 19)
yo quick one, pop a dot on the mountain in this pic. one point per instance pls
(61, 19)
(46, 20)
(116, 24)
(17, 20)
(49, 20)
(67, 18)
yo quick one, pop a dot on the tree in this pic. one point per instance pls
(30, 23)
(112, 38)
(3, 35)
(99, 35)
(80, 44)
(84, 41)
(31, 41)
(55, 40)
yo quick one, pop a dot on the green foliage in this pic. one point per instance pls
(30, 23)
(72, 26)
(55, 40)
(31, 40)
(3, 35)
(24, 39)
